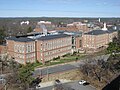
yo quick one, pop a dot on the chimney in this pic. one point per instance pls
(44, 29)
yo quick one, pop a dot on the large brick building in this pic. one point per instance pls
(50, 47)
(40, 48)
(76, 39)
(98, 38)
(76, 27)
(83, 27)
(22, 49)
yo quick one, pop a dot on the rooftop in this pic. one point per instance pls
(49, 37)
(69, 28)
(26, 39)
(98, 32)
(20, 39)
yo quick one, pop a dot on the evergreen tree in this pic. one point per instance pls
(29, 30)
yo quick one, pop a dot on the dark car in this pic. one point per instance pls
(57, 81)
(36, 82)
(87, 83)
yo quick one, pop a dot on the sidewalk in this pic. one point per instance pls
(51, 83)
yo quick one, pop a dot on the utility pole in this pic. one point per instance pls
(47, 73)
(5, 87)
(1, 67)
(48, 70)
(40, 73)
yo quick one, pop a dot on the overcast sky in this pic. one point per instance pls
(60, 8)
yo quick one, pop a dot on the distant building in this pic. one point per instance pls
(38, 29)
(44, 22)
(83, 27)
(24, 22)
(68, 28)
(75, 26)
(48, 25)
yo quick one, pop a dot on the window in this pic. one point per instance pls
(28, 48)
(31, 48)
(22, 49)
(18, 47)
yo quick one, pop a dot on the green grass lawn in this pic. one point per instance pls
(61, 60)
(64, 59)
(68, 58)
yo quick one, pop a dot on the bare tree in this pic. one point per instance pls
(96, 69)
(85, 68)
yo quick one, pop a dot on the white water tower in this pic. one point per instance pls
(99, 20)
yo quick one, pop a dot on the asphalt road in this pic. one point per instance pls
(56, 69)
(63, 68)
(73, 85)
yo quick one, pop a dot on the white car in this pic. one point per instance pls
(38, 86)
(82, 82)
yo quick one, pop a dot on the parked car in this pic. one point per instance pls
(81, 82)
(57, 81)
(36, 82)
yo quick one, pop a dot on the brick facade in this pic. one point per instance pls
(40, 49)
(22, 52)
(50, 49)
(3, 49)
(96, 41)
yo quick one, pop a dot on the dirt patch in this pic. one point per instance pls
(69, 75)
(75, 75)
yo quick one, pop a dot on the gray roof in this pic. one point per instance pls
(20, 39)
(112, 30)
(49, 37)
(113, 27)
(73, 33)
(98, 32)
